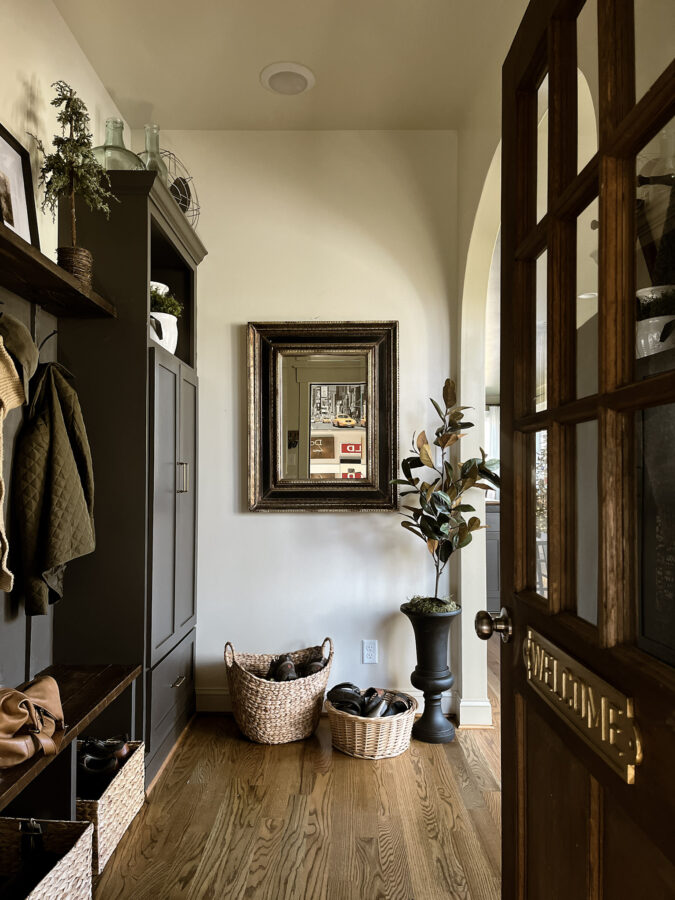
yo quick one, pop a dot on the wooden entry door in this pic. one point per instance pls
(588, 434)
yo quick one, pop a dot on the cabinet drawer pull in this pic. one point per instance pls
(179, 682)
(184, 469)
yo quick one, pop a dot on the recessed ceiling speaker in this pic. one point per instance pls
(287, 78)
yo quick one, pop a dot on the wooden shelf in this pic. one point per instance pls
(85, 692)
(30, 274)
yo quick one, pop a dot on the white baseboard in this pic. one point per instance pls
(213, 700)
(475, 712)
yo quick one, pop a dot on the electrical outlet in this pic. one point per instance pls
(369, 651)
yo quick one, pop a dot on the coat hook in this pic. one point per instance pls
(44, 340)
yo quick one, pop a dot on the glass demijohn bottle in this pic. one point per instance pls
(113, 155)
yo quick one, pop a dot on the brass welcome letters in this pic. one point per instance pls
(601, 715)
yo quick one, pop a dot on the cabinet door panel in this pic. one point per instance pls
(186, 513)
(165, 439)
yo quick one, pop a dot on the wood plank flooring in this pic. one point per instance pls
(232, 819)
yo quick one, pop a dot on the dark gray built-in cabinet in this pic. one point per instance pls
(133, 599)
(494, 601)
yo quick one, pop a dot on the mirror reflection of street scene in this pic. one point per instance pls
(343, 408)
(324, 416)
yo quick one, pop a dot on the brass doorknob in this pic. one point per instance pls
(486, 624)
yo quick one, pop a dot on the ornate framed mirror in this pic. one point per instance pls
(322, 415)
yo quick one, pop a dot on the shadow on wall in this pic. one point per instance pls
(28, 112)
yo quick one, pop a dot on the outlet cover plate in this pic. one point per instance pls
(369, 653)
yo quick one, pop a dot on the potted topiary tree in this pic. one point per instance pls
(71, 170)
(439, 520)
(165, 310)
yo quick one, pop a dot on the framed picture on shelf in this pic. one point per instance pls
(17, 203)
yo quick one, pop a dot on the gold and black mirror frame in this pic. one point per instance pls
(322, 416)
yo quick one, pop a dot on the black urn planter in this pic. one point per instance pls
(432, 674)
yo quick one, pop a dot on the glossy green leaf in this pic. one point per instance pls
(438, 409)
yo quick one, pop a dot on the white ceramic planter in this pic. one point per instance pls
(648, 334)
(164, 330)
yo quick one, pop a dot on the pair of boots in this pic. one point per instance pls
(284, 669)
(97, 762)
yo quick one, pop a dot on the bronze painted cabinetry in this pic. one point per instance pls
(133, 600)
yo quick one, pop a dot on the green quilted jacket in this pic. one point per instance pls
(52, 490)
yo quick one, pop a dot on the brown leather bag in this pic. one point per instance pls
(28, 720)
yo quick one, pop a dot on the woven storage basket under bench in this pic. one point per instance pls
(117, 806)
(71, 876)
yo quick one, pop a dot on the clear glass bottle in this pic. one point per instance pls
(113, 155)
(151, 156)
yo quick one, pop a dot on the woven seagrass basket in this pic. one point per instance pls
(71, 876)
(117, 807)
(372, 738)
(275, 712)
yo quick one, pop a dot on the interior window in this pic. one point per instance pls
(587, 520)
(541, 359)
(541, 512)
(587, 300)
(654, 29)
(655, 254)
(655, 437)
(587, 83)
(542, 148)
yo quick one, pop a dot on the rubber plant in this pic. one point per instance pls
(71, 169)
(440, 516)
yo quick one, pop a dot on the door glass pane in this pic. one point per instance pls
(587, 300)
(587, 83)
(655, 431)
(587, 521)
(541, 352)
(654, 30)
(542, 149)
(541, 512)
(655, 253)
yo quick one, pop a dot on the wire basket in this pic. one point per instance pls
(377, 738)
(276, 712)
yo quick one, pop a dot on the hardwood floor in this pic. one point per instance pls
(232, 819)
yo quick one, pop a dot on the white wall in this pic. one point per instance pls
(300, 226)
(37, 49)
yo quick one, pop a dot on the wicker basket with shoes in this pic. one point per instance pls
(271, 712)
(373, 738)
(113, 812)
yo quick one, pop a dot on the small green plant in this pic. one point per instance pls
(660, 303)
(72, 168)
(439, 519)
(165, 303)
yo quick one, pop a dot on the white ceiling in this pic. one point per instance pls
(379, 64)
